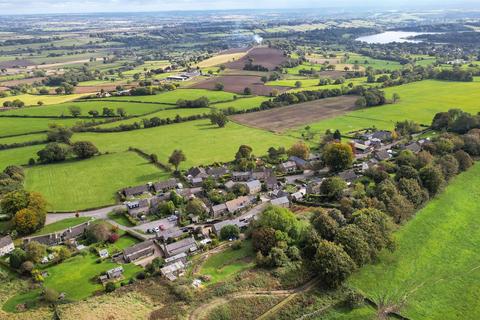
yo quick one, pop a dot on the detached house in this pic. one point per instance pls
(288, 166)
(254, 186)
(183, 246)
(238, 204)
(6, 245)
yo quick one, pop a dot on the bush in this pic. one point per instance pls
(110, 287)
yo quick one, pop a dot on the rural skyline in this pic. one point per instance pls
(8, 7)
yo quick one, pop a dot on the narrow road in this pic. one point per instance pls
(97, 214)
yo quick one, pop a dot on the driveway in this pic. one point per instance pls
(153, 224)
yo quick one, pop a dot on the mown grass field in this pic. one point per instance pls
(63, 109)
(435, 267)
(241, 104)
(18, 156)
(202, 142)
(75, 185)
(31, 100)
(228, 263)
(419, 101)
(164, 114)
(172, 97)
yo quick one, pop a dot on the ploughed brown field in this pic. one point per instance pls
(267, 57)
(237, 83)
(12, 83)
(293, 116)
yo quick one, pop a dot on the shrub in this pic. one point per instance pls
(110, 287)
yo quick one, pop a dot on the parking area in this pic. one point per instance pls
(167, 223)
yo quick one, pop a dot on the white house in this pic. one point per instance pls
(6, 245)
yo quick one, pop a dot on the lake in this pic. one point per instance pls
(391, 36)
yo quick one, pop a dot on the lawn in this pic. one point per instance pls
(77, 277)
(172, 97)
(120, 218)
(419, 101)
(91, 183)
(61, 225)
(228, 263)
(31, 100)
(201, 142)
(435, 266)
(58, 110)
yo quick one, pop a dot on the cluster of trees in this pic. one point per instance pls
(218, 118)
(11, 178)
(244, 158)
(455, 120)
(27, 210)
(60, 147)
(17, 103)
(201, 102)
(370, 97)
(101, 232)
(332, 245)
(254, 67)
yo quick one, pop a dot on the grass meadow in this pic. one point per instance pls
(31, 100)
(228, 263)
(59, 110)
(435, 270)
(76, 185)
(18, 126)
(241, 104)
(202, 142)
(419, 101)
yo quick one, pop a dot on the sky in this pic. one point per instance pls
(79, 6)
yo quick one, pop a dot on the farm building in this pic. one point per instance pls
(183, 246)
(139, 251)
(135, 191)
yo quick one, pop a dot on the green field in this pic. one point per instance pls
(435, 266)
(18, 156)
(228, 263)
(63, 109)
(374, 63)
(61, 225)
(76, 277)
(75, 185)
(201, 142)
(173, 96)
(14, 126)
(241, 104)
(164, 114)
(419, 101)
(31, 100)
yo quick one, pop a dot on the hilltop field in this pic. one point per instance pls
(433, 273)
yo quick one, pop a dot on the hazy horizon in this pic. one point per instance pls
(10, 7)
